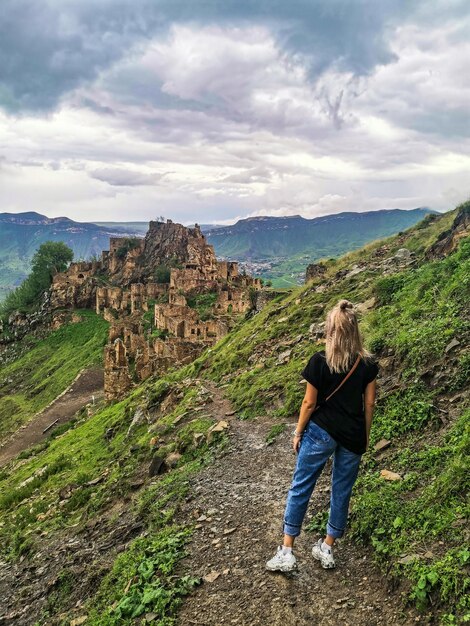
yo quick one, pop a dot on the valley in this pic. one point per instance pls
(160, 504)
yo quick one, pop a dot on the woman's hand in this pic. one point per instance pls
(296, 442)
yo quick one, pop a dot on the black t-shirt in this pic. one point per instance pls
(343, 415)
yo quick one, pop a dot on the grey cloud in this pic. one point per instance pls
(49, 47)
(253, 175)
(119, 177)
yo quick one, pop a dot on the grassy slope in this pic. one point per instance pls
(422, 309)
(33, 380)
(31, 511)
(409, 515)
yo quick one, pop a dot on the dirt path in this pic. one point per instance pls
(242, 495)
(89, 383)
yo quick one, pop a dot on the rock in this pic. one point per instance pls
(383, 444)
(153, 442)
(229, 531)
(451, 345)
(110, 433)
(216, 428)
(403, 253)
(408, 558)
(229, 413)
(173, 459)
(79, 620)
(211, 577)
(314, 270)
(67, 491)
(362, 307)
(198, 439)
(388, 475)
(284, 357)
(138, 419)
(179, 418)
(317, 330)
(157, 466)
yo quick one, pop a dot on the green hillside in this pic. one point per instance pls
(269, 237)
(45, 367)
(415, 526)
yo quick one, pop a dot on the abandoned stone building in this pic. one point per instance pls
(166, 296)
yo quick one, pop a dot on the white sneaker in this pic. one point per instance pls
(282, 562)
(325, 557)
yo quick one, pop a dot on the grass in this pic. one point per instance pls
(420, 517)
(47, 368)
(421, 309)
(32, 508)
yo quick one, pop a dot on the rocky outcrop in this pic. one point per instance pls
(448, 241)
(314, 270)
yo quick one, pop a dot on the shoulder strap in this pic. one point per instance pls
(351, 371)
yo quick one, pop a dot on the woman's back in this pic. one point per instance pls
(343, 415)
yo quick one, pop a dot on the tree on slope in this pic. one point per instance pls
(50, 258)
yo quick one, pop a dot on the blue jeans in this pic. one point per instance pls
(316, 447)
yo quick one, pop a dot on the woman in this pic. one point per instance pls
(335, 419)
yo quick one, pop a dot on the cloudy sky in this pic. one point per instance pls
(210, 110)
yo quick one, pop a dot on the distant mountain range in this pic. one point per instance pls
(278, 248)
(21, 234)
(258, 238)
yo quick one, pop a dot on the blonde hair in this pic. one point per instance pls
(343, 338)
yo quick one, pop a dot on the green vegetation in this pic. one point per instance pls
(274, 432)
(416, 525)
(149, 564)
(98, 469)
(203, 303)
(162, 272)
(404, 520)
(47, 367)
(128, 244)
(52, 257)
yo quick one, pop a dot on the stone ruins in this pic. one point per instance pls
(166, 297)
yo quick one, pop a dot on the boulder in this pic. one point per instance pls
(157, 466)
(173, 459)
(388, 475)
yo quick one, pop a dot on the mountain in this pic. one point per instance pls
(274, 248)
(21, 234)
(116, 514)
(258, 238)
(279, 248)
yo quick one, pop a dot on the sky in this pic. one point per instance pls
(214, 110)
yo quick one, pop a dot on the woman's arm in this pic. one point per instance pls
(308, 404)
(369, 404)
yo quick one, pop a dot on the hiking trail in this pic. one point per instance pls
(87, 384)
(242, 496)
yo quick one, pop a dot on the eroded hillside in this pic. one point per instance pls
(95, 520)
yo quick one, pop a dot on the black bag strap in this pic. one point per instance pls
(351, 371)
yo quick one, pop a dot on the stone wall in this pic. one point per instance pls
(133, 353)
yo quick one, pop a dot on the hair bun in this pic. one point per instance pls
(345, 304)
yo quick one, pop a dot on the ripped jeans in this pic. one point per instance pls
(316, 447)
